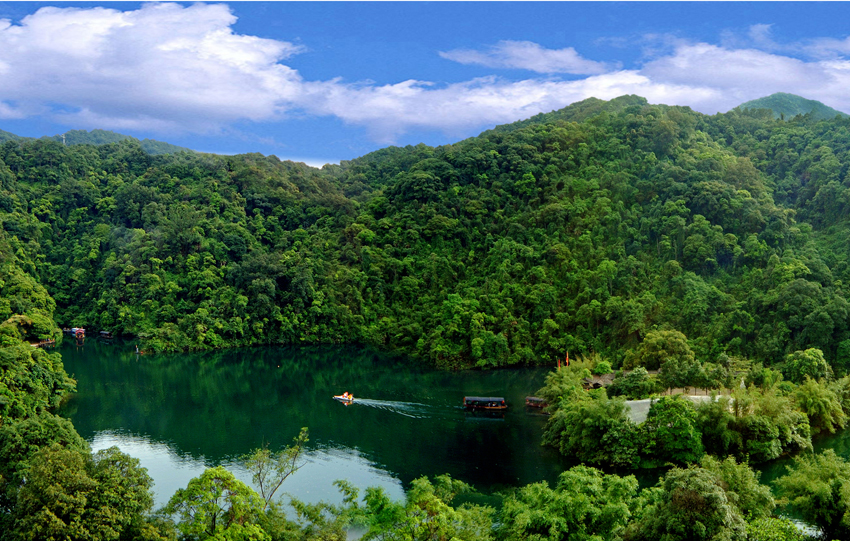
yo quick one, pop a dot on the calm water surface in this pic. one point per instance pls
(182, 413)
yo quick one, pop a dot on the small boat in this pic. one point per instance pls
(535, 402)
(344, 399)
(484, 403)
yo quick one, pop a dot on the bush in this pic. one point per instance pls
(635, 385)
(602, 368)
(774, 529)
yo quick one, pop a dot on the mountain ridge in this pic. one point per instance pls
(100, 137)
(786, 106)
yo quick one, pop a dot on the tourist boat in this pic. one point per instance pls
(344, 399)
(535, 402)
(484, 403)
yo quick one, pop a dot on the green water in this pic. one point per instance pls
(181, 413)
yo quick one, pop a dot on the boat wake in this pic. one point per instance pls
(408, 409)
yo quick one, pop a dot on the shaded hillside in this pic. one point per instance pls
(787, 106)
(581, 230)
(6, 136)
(101, 137)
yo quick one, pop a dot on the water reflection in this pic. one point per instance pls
(181, 413)
(313, 482)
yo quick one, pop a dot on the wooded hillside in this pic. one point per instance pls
(582, 230)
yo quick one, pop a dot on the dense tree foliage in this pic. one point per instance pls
(818, 487)
(710, 248)
(689, 505)
(756, 424)
(586, 504)
(617, 227)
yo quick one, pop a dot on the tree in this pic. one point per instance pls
(269, 470)
(21, 439)
(818, 488)
(74, 495)
(671, 432)
(217, 504)
(689, 505)
(681, 372)
(821, 405)
(742, 487)
(595, 431)
(564, 386)
(717, 426)
(586, 504)
(634, 385)
(602, 368)
(774, 529)
(427, 514)
(319, 521)
(809, 363)
(659, 347)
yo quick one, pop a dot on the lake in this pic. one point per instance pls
(181, 413)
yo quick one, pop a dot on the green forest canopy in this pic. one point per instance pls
(579, 230)
(649, 234)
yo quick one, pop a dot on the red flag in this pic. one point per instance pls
(568, 359)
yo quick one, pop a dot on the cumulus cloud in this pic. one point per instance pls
(163, 66)
(171, 68)
(743, 74)
(391, 109)
(527, 55)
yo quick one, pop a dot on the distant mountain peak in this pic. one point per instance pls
(788, 106)
(105, 137)
(100, 137)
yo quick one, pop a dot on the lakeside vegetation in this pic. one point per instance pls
(653, 236)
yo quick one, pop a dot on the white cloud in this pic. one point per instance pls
(392, 109)
(739, 75)
(163, 66)
(171, 68)
(527, 55)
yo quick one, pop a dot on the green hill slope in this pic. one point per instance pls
(788, 106)
(583, 230)
(6, 136)
(101, 137)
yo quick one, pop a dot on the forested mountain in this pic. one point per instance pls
(101, 137)
(7, 136)
(788, 106)
(580, 230)
(626, 233)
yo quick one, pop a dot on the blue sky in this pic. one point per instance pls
(327, 81)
